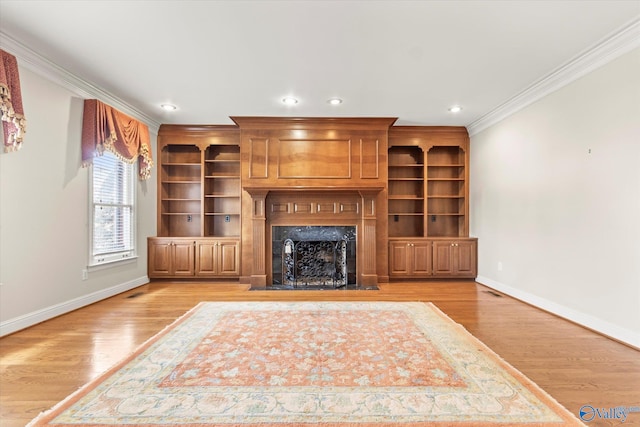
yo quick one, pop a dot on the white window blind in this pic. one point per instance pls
(113, 206)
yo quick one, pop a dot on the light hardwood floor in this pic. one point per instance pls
(43, 364)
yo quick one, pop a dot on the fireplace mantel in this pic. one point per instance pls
(252, 189)
(313, 206)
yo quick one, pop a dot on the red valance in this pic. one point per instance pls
(105, 128)
(13, 122)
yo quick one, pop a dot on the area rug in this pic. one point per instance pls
(253, 364)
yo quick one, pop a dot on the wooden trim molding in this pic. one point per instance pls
(277, 123)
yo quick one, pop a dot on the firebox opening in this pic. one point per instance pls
(307, 257)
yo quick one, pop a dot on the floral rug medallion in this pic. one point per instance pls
(311, 363)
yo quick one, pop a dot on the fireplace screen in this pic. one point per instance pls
(314, 256)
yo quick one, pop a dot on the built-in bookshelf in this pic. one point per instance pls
(180, 191)
(427, 182)
(222, 191)
(428, 204)
(198, 203)
(446, 185)
(406, 192)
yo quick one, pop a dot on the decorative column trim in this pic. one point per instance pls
(259, 225)
(368, 271)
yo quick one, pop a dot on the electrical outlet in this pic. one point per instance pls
(85, 274)
(227, 218)
(499, 265)
(189, 218)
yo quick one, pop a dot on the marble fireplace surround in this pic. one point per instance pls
(314, 206)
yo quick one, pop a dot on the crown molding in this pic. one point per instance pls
(606, 50)
(44, 67)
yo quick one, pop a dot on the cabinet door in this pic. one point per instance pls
(398, 258)
(159, 252)
(228, 257)
(206, 264)
(455, 258)
(465, 258)
(443, 258)
(421, 258)
(183, 258)
(218, 258)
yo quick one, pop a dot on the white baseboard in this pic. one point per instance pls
(17, 323)
(616, 332)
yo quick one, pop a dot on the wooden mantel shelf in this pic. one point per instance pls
(253, 189)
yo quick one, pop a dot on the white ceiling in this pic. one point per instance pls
(405, 59)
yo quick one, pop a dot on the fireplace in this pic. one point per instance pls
(313, 256)
(288, 228)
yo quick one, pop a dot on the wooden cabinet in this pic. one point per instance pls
(199, 198)
(171, 257)
(428, 205)
(410, 184)
(431, 258)
(215, 258)
(410, 258)
(190, 258)
(455, 258)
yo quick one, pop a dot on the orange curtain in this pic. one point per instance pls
(14, 124)
(105, 128)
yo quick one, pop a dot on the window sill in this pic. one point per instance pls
(112, 263)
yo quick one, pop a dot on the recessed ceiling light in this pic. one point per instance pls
(168, 107)
(335, 101)
(455, 109)
(289, 100)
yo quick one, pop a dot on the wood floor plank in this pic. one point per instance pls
(41, 365)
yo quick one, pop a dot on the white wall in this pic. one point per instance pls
(555, 198)
(44, 215)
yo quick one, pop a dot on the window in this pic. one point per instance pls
(113, 209)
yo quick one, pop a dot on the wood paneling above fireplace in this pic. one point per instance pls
(313, 152)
